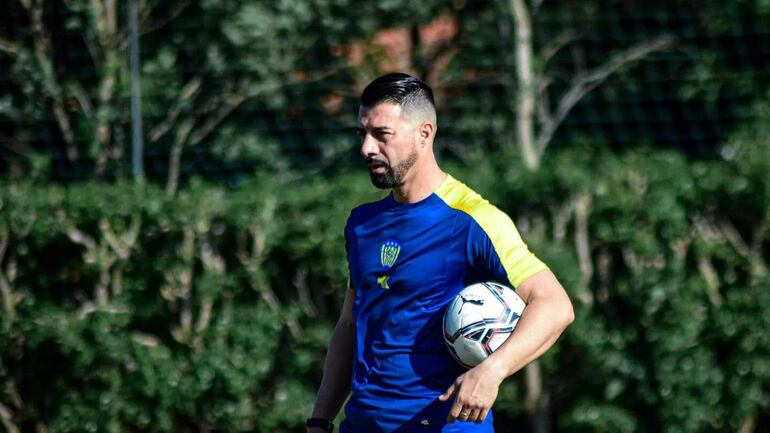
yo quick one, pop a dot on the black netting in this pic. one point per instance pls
(303, 76)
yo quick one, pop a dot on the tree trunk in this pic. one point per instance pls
(525, 85)
(538, 401)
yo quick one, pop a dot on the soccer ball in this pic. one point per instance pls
(479, 319)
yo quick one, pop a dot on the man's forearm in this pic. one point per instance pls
(532, 338)
(335, 384)
(548, 313)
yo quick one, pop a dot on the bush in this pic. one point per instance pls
(127, 309)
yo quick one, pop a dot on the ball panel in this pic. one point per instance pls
(497, 338)
(469, 352)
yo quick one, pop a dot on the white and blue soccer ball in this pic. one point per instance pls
(479, 319)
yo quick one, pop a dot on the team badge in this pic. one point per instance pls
(389, 253)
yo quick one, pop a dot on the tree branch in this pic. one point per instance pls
(734, 238)
(146, 27)
(108, 39)
(212, 262)
(5, 287)
(536, 6)
(240, 93)
(175, 157)
(106, 262)
(231, 102)
(189, 90)
(75, 234)
(561, 217)
(84, 101)
(42, 44)
(111, 18)
(96, 253)
(235, 98)
(748, 425)
(122, 244)
(179, 287)
(6, 416)
(544, 101)
(4, 241)
(97, 9)
(603, 275)
(8, 47)
(251, 261)
(303, 290)
(709, 275)
(583, 245)
(555, 45)
(586, 82)
(752, 252)
(758, 264)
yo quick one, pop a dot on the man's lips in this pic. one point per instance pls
(377, 165)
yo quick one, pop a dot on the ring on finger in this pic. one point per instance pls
(473, 415)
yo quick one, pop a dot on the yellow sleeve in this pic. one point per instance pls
(494, 242)
(507, 247)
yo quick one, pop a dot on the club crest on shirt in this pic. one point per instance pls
(389, 253)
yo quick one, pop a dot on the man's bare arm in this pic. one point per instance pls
(338, 367)
(548, 313)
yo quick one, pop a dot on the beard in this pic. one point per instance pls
(393, 176)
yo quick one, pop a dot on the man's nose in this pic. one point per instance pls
(369, 146)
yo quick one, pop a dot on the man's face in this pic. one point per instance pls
(388, 144)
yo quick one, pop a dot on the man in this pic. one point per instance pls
(409, 254)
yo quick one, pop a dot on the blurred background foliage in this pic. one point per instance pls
(202, 298)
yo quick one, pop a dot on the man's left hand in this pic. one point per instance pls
(474, 391)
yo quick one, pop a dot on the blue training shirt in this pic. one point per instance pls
(407, 261)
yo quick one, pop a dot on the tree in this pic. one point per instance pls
(202, 62)
(536, 121)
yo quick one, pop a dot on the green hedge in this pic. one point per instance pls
(127, 309)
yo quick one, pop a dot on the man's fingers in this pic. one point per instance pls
(482, 416)
(465, 414)
(448, 393)
(472, 416)
(454, 412)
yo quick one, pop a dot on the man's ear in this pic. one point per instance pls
(425, 132)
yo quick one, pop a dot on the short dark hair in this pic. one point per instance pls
(398, 88)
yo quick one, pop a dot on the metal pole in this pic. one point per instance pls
(136, 101)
